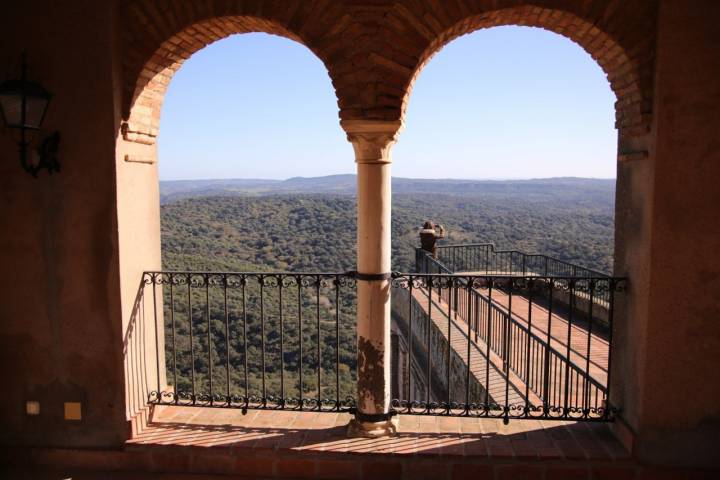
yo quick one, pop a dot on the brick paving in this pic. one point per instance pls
(265, 431)
(193, 443)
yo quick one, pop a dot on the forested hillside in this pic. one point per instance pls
(317, 232)
(571, 220)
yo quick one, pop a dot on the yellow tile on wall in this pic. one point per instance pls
(32, 407)
(73, 411)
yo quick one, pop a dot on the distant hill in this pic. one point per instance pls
(570, 187)
(317, 231)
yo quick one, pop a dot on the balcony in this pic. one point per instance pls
(501, 342)
(493, 369)
(502, 371)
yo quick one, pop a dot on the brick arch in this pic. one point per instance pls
(374, 50)
(145, 95)
(619, 35)
(157, 36)
(620, 70)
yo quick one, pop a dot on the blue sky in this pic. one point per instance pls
(507, 102)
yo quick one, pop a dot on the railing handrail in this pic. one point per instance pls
(535, 338)
(494, 250)
(291, 303)
(540, 377)
(504, 276)
(505, 313)
(276, 273)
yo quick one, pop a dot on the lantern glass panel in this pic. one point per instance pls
(35, 108)
(11, 104)
(36, 98)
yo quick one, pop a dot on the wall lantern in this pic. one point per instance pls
(23, 105)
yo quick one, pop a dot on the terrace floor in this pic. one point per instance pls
(263, 430)
(193, 443)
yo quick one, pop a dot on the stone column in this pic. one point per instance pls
(372, 141)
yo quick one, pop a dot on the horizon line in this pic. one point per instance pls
(485, 179)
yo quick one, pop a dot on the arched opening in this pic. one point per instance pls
(622, 72)
(220, 318)
(374, 88)
(511, 302)
(147, 81)
(62, 327)
(251, 106)
(523, 119)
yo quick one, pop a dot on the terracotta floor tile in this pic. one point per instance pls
(444, 446)
(267, 440)
(448, 425)
(470, 425)
(405, 445)
(291, 438)
(307, 420)
(424, 436)
(475, 447)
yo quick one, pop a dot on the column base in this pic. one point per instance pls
(360, 429)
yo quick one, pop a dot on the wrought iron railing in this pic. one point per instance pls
(255, 340)
(483, 257)
(533, 357)
(494, 345)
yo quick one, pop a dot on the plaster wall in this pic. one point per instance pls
(138, 204)
(60, 315)
(678, 406)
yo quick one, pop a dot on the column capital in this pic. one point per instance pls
(372, 139)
